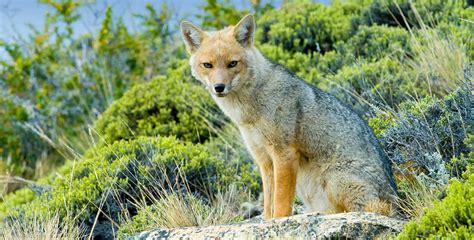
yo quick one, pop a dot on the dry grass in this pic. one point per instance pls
(41, 229)
(438, 58)
(417, 199)
(185, 210)
(171, 208)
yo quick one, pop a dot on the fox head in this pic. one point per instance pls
(219, 59)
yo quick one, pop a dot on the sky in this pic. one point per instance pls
(15, 15)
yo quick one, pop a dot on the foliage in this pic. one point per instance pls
(42, 228)
(184, 210)
(407, 13)
(167, 105)
(303, 27)
(54, 84)
(219, 14)
(166, 154)
(450, 218)
(112, 178)
(424, 136)
(297, 35)
(376, 42)
(15, 199)
(367, 85)
(440, 59)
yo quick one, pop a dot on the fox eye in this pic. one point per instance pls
(232, 64)
(207, 65)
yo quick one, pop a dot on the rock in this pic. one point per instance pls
(355, 225)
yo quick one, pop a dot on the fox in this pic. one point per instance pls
(305, 141)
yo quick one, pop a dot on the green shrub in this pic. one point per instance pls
(395, 13)
(167, 105)
(303, 65)
(55, 83)
(303, 26)
(15, 199)
(112, 178)
(381, 83)
(115, 178)
(451, 218)
(376, 42)
(300, 34)
(424, 136)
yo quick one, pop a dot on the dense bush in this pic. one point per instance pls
(54, 84)
(451, 218)
(407, 13)
(303, 27)
(382, 83)
(112, 178)
(377, 42)
(167, 105)
(426, 135)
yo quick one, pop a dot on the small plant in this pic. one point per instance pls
(450, 218)
(42, 228)
(425, 136)
(167, 105)
(109, 182)
(174, 209)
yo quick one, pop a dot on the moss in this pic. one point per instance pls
(167, 105)
(450, 218)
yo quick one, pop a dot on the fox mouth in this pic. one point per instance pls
(223, 94)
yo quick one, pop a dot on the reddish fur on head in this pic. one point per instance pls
(220, 57)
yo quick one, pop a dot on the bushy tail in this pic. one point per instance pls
(383, 207)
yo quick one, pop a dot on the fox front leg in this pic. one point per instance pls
(285, 165)
(268, 180)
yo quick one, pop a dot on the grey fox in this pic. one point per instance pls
(304, 140)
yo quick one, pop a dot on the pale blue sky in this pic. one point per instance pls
(16, 14)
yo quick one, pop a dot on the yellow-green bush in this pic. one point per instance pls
(303, 26)
(13, 200)
(299, 32)
(375, 42)
(451, 218)
(167, 105)
(55, 82)
(112, 178)
(407, 13)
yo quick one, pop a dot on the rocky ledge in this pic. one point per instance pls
(307, 226)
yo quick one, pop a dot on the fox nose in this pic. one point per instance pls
(219, 87)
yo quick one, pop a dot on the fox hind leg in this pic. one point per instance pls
(350, 194)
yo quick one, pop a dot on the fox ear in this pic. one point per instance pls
(244, 31)
(192, 36)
